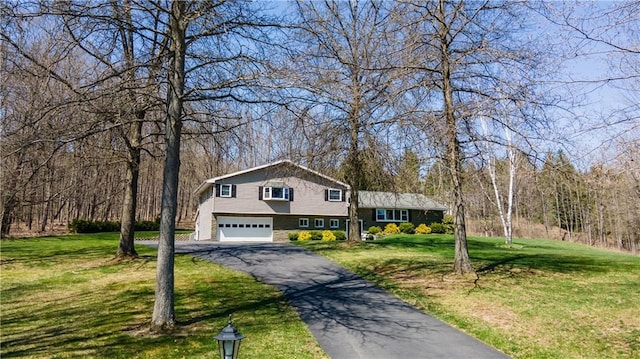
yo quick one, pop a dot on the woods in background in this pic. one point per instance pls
(83, 106)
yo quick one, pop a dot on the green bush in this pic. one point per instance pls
(438, 228)
(407, 228)
(340, 235)
(448, 222)
(327, 235)
(147, 226)
(84, 226)
(448, 219)
(391, 228)
(316, 235)
(422, 229)
(293, 236)
(374, 230)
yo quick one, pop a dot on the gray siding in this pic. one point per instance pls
(308, 198)
(367, 215)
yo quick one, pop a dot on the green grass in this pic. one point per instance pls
(532, 299)
(66, 297)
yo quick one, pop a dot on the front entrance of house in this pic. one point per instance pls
(361, 227)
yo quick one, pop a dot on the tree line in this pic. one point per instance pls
(119, 109)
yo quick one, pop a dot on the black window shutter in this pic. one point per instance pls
(373, 215)
(290, 194)
(233, 191)
(344, 196)
(409, 215)
(217, 189)
(326, 194)
(260, 193)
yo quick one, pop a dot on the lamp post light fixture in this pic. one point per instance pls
(229, 341)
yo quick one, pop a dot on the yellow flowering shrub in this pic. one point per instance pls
(304, 236)
(422, 229)
(328, 236)
(391, 228)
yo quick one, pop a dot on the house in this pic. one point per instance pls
(266, 203)
(382, 208)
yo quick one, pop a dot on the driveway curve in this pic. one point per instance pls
(349, 316)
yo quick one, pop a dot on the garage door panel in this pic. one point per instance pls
(245, 229)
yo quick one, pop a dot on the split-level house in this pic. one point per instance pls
(266, 203)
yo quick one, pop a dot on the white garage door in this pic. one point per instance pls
(248, 229)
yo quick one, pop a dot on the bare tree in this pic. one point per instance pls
(470, 58)
(210, 61)
(344, 78)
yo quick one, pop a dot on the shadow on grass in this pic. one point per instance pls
(115, 325)
(346, 314)
(489, 254)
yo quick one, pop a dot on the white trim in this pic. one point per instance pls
(267, 194)
(339, 195)
(360, 221)
(405, 211)
(230, 187)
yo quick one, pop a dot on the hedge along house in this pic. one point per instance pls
(382, 208)
(266, 203)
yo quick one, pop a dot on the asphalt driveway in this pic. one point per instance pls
(350, 317)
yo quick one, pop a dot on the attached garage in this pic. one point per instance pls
(244, 229)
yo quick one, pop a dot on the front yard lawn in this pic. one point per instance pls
(532, 299)
(65, 297)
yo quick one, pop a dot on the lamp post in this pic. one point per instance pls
(229, 341)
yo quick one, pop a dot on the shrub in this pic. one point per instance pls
(85, 226)
(438, 228)
(328, 236)
(391, 228)
(448, 223)
(374, 230)
(304, 236)
(407, 228)
(340, 235)
(316, 236)
(448, 219)
(147, 226)
(293, 236)
(422, 229)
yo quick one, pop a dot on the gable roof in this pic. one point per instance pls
(208, 183)
(390, 200)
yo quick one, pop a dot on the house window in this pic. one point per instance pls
(225, 190)
(392, 215)
(275, 193)
(334, 195)
(319, 223)
(303, 222)
(334, 223)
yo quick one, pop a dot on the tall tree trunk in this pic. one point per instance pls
(126, 248)
(353, 176)
(462, 262)
(9, 198)
(163, 318)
